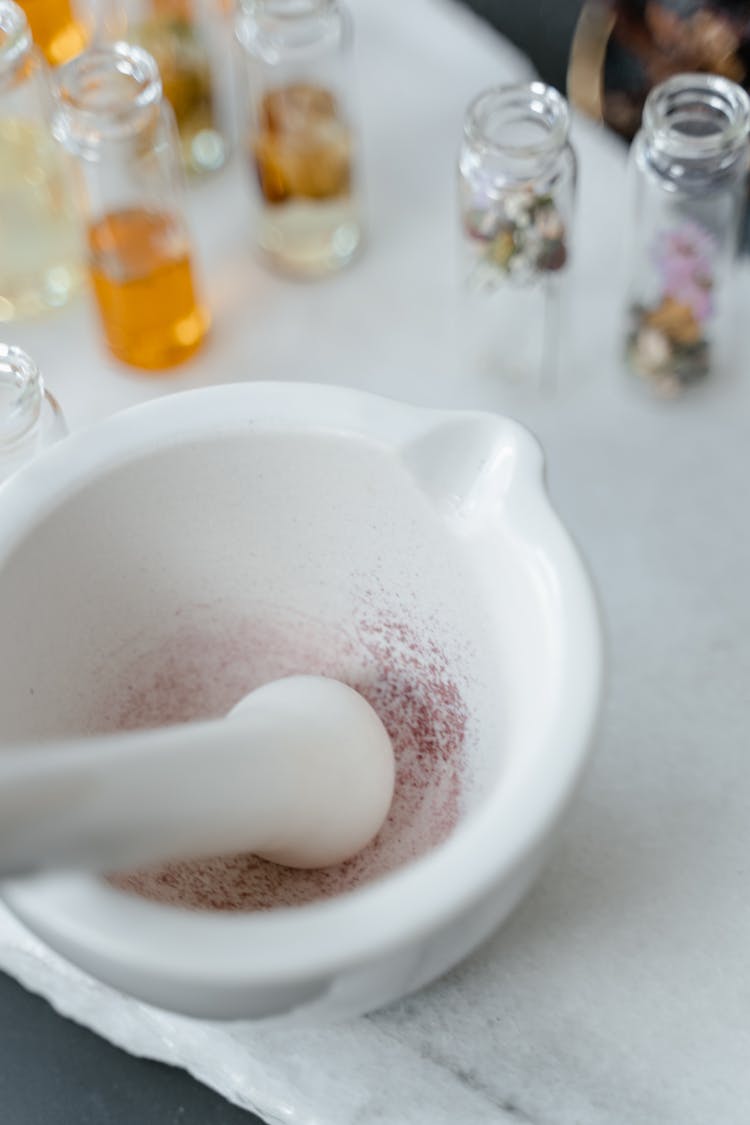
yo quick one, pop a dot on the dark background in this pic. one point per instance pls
(53, 1072)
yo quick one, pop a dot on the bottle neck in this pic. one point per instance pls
(697, 121)
(521, 131)
(106, 94)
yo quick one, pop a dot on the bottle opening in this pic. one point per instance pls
(697, 115)
(21, 395)
(107, 91)
(521, 122)
(272, 28)
(289, 9)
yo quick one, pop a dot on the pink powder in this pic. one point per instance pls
(201, 670)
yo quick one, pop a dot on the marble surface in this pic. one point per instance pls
(619, 990)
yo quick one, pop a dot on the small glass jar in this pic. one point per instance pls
(517, 175)
(111, 116)
(191, 41)
(300, 133)
(60, 28)
(30, 418)
(40, 247)
(688, 167)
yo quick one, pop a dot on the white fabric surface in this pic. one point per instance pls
(618, 992)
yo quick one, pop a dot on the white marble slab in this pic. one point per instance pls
(619, 992)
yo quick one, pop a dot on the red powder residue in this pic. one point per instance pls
(203, 670)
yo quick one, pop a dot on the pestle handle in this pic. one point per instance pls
(300, 772)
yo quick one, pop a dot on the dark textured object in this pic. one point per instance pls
(608, 54)
(623, 48)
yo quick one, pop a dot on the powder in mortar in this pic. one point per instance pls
(202, 670)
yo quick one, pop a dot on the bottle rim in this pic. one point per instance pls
(277, 29)
(22, 395)
(697, 116)
(289, 9)
(494, 114)
(15, 36)
(106, 91)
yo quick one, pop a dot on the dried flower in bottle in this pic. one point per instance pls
(302, 148)
(668, 341)
(520, 236)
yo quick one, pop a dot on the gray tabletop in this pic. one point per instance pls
(53, 1072)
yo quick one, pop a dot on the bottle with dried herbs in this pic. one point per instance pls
(191, 41)
(688, 167)
(300, 134)
(111, 116)
(517, 174)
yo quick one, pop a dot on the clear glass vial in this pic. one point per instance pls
(111, 116)
(40, 250)
(517, 174)
(688, 169)
(30, 418)
(300, 132)
(191, 41)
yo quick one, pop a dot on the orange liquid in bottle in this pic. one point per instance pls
(140, 268)
(55, 29)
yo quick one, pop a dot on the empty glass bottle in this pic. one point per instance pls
(111, 116)
(689, 167)
(300, 132)
(40, 252)
(30, 417)
(517, 175)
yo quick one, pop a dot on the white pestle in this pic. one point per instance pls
(300, 772)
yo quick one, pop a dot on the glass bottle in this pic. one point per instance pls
(688, 166)
(517, 175)
(30, 417)
(300, 132)
(40, 253)
(111, 116)
(60, 30)
(191, 41)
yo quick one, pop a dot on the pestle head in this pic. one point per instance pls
(334, 783)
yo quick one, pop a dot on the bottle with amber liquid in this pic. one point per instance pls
(300, 134)
(60, 30)
(111, 116)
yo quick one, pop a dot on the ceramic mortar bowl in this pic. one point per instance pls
(158, 566)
